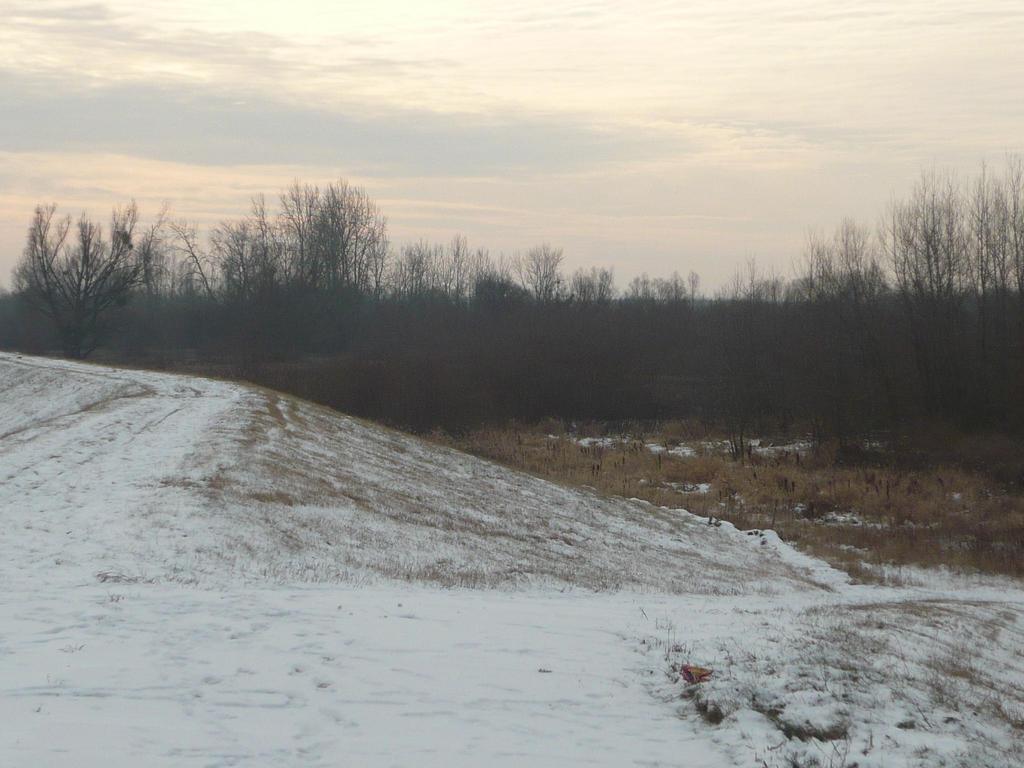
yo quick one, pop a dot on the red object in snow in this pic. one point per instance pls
(692, 674)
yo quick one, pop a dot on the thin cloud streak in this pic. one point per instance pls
(203, 126)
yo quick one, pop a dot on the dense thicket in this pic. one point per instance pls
(921, 321)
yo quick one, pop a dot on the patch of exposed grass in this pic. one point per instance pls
(858, 516)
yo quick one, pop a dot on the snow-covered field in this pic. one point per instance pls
(197, 573)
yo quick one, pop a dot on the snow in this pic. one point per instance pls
(701, 447)
(602, 442)
(701, 488)
(682, 451)
(901, 680)
(762, 448)
(198, 573)
(168, 676)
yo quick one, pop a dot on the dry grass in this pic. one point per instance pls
(857, 517)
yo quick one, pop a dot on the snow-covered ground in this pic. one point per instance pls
(197, 573)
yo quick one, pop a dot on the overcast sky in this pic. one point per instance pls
(648, 135)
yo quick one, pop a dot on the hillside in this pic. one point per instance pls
(201, 573)
(184, 479)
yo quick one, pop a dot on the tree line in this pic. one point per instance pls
(918, 320)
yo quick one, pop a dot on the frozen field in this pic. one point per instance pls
(197, 573)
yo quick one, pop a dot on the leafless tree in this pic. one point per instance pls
(693, 280)
(596, 286)
(640, 288)
(671, 289)
(539, 272)
(156, 258)
(1015, 229)
(927, 240)
(417, 271)
(196, 265)
(455, 269)
(335, 238)
(76, 277)
(249, 253)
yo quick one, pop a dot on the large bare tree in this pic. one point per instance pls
(75, 276)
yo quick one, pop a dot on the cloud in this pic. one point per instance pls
(654, 129)
(868, 73)
(104, 45)
(74, 12)
(203, 126)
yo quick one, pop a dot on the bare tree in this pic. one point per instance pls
(640, 288)
(693, 280)
(539, 272)
(455, 269)
(594, 287)
(249, 253)
(300, 205)
(926, 238)
(670, 290)
(927, 241)
(197, 263)
(335, 238)
(417, 271)
(77, 279)
(156, 258)
(1014, 187)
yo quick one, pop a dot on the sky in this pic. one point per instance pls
(648, 136)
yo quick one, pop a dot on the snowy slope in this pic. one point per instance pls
(197, 573)
(183, 479)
